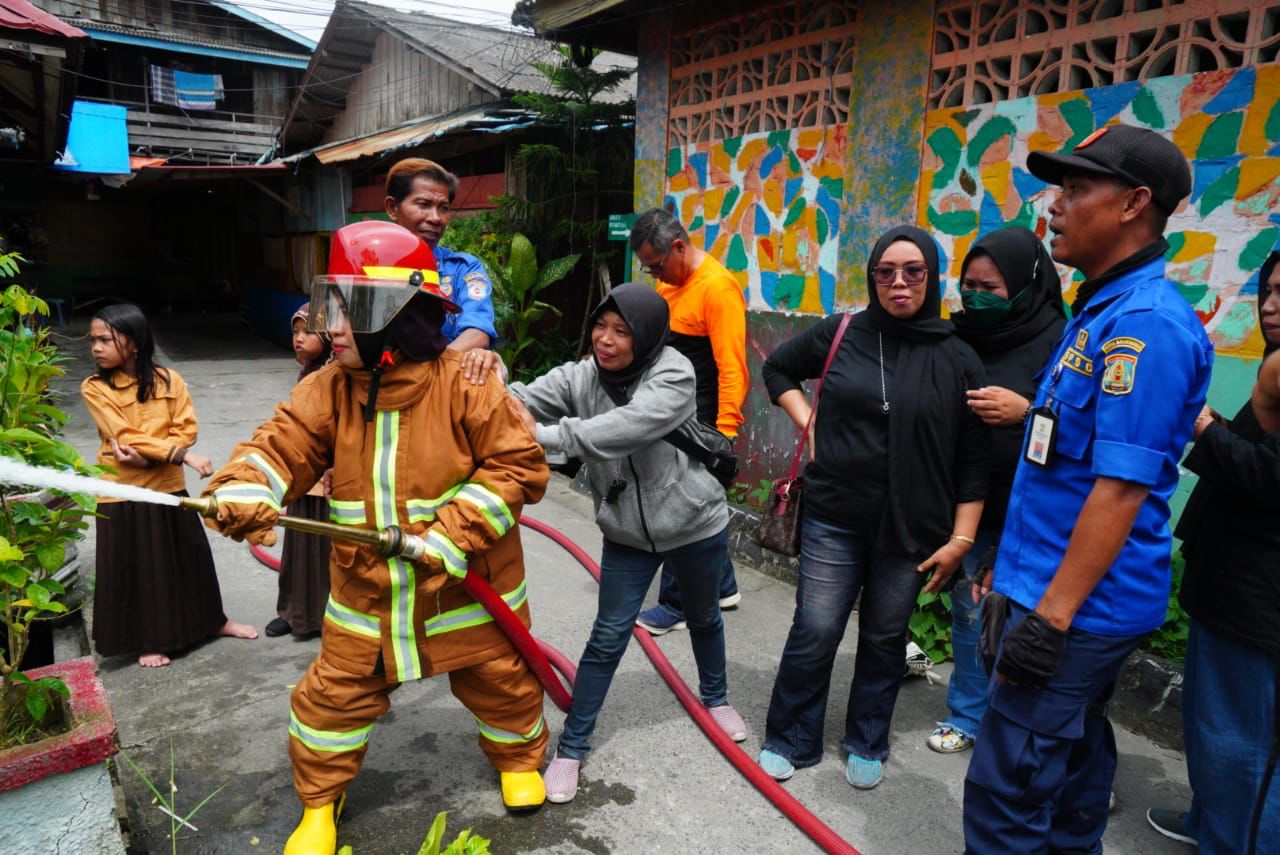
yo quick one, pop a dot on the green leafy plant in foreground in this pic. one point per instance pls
(930, 625)
(465, 843)
(33, 534)
(169, 804)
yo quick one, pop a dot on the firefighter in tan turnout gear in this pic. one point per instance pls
(411, 444)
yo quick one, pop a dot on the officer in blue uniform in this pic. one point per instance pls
(420, 196)
(1083, 565)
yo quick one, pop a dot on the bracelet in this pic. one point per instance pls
(963, 539)
(1026, 414)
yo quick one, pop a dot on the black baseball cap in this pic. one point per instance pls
(1137, 156)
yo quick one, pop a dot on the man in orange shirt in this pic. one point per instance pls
(709, 326)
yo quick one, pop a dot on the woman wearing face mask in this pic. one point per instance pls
(1013, 316)
(653, 504)
(894, 491)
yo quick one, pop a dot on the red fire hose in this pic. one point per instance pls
(791, 808)
(532, 651)
(264, 557)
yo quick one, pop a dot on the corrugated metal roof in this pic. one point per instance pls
(476, 120)
(502, 58)
(158, 34)
(21, 15)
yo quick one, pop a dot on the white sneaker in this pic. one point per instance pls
(731, 601)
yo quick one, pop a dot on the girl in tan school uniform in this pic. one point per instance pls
(304, 558)
(155, 591)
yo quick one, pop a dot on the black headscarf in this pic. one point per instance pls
(1025, 264)
(926, 371)
(415, 331)
(1268, 267)
(926, 325)
(647, 314)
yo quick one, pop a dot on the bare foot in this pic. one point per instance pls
(153, 660)
(237, 630)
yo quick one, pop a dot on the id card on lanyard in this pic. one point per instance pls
(1043, 434)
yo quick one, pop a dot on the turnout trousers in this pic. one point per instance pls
(332, 712)
(1044, 761)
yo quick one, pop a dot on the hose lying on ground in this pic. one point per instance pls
(791, 808)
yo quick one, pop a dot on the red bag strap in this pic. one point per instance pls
(804, 436)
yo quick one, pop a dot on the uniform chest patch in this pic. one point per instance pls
(1118, 373)
(1077, 361)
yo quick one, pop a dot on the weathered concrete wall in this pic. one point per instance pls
(72, 813)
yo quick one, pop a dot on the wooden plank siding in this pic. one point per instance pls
(200, 20)
(400, 84)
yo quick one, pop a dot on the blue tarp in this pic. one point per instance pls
(97, 140)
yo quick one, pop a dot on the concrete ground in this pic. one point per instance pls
(653, 783)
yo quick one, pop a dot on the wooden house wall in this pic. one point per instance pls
(400, 84)
(195, 19)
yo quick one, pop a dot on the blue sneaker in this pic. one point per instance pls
(863, 773)
(775, 765)
(660, 620)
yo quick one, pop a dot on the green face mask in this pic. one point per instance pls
(985, 309)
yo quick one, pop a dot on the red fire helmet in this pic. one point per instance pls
(375, 268)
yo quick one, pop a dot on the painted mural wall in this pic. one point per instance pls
(1227, 123)
(769, 207)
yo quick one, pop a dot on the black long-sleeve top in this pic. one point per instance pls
(1014, 369)
(1230, 533)
(849, 481)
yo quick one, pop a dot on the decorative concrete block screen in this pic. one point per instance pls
(1227, 123)
(767, 206)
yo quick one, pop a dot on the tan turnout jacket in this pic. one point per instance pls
(442, 459)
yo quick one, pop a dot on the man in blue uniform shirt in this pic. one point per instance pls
(420, 194)
(1084, 558)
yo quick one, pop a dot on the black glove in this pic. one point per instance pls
(1032, 652)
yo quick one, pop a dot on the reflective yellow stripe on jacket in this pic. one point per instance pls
(404, 643)
(472, 615)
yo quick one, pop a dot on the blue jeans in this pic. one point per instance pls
(1044, 760)
(1228, 714)
(967, 691)
(836, 564)
(669, 587)
(625, 575)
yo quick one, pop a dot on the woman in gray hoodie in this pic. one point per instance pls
(652, 502)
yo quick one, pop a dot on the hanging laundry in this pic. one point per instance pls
(185, 89)
(163, 90)
(198, 91)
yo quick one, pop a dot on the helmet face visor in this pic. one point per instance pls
(367, 303)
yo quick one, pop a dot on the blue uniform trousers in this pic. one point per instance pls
(1043, 763)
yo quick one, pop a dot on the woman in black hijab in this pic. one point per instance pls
(1013, 316)
(653, 503)
(893, 491)
(1231, 590)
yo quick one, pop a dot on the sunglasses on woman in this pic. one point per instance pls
(887, 274)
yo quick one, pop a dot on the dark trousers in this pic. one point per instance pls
(1044, 761)
(836, 565)
(669, 587)
(1228, 718)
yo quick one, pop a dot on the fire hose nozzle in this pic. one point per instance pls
(205, 507)
(394, 542)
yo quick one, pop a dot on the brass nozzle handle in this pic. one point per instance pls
(205, 507)
(391, 541)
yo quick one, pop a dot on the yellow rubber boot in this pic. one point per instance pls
(317, 832)
(521, 791)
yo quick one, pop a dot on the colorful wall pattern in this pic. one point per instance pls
(769, 207)
(1227, 123)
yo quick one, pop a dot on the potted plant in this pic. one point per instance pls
(35, 531)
